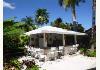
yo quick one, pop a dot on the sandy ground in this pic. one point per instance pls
(73, 62)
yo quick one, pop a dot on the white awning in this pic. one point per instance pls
(50, 29)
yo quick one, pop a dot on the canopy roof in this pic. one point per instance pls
(50, 29)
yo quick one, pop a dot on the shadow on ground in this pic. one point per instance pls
(92, 69)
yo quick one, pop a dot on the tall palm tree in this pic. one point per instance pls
(71, 4)
(93, 24)
(41, 16)
(93, 15)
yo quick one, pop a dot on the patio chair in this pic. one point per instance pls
(42, 57)
(40, 54)
(37, 53)
(74, 49)
(60, 51)
(52, 53)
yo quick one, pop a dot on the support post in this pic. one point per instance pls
(63, 40)
(45, 41)
(30, 41)
(75, 39)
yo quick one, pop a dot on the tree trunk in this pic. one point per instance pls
(73, 14)
(93, 24)
(74, 22)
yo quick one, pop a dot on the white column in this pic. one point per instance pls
(45, 41)
(63, 40)
(75, 39)
(30, 40)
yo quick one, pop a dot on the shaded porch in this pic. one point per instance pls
(53, 42)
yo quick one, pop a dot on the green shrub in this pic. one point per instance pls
(83, 50)
(12, 63)
(24, 39)
(91, 53)
(35, 67)
(87, 52)
(15, 63)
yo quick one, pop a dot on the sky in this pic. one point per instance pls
(23, 8)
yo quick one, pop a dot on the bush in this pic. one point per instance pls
(11, 53)
(87, 52)
(35, 67)
(24, 39)
(31, 65)
(14, 63)
(91, 53)
(83, 50)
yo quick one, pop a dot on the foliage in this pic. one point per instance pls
(91, 53)
(41, 16)
(28, 20)
(77, 27)
(31, 65)
(72, 5)
(24, 39)
(13, 39)
(83, 50)
(29, 23)
(15, 63)
(12, 63)
(35, 67)
(59, 23)
(92, 41)
(67, 3)
(13, 30)
(11, 53)
(88, 52)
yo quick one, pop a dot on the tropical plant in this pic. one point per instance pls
(24, 39)
(41, 16)
(71, 4)
(93, 31)
(14, 62)
(79, 27)
(29, 23)
(13, 46)
(11, 34)
(57, 22)
(28, 20)
(91, 53)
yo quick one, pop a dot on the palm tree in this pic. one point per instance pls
(71, 4)
(93, 15)
(93, 24)
(41, 16)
